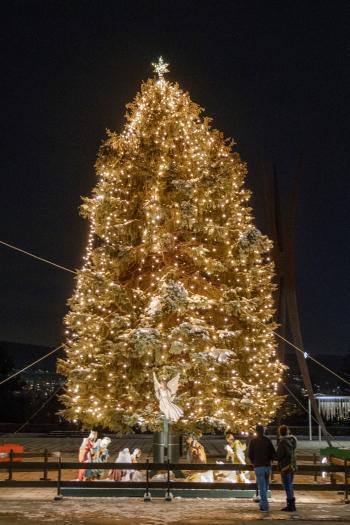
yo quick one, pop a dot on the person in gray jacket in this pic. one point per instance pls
(285, 456)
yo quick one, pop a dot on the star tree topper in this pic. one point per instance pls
(160, 67)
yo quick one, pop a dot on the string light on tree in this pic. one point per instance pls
(176, 278)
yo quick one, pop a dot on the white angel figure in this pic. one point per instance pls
(165, 393)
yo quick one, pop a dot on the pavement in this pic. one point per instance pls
(32, 506)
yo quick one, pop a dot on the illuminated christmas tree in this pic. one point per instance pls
(176, 279)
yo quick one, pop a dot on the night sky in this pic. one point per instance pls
(273, 75)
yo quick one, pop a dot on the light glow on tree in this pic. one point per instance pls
(176, 278)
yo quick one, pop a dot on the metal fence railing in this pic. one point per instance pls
(11, 465)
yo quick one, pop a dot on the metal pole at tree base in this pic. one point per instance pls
(166, 445)
(166, 439)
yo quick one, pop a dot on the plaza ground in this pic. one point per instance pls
(29, 506)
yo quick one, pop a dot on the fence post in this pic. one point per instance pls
(147, 495)
(333, 476)
(315, 474)
(10, 466)
(346, 500)
(58, 496)
(46, 457)
(168, 494)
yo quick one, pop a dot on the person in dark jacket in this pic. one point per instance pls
(261, 452)
(287, 464)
